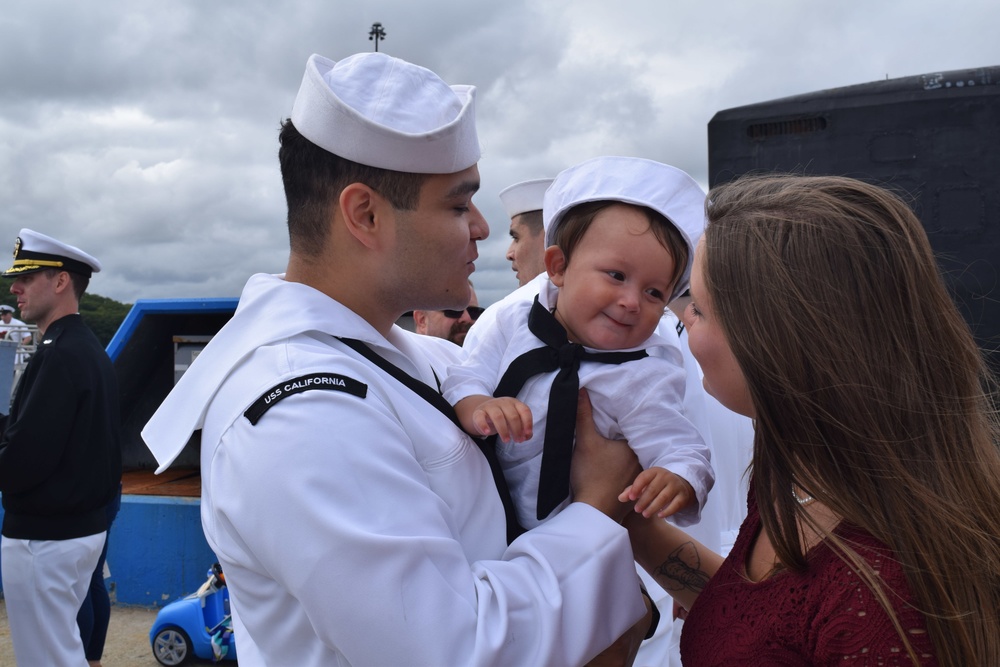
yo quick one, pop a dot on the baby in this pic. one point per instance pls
(621, 234)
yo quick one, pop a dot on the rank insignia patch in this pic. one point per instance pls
(325, 381)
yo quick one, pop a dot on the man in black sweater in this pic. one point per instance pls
(60, 456)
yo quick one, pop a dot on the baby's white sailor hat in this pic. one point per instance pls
(384, 112)
(665, 189)
(34, 251)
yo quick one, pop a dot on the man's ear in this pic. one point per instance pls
(361, 208)
(63, 282)
(555, 264)
(420, 321)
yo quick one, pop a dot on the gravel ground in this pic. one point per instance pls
(127, 644)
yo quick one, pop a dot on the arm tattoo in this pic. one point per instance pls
(681, 570)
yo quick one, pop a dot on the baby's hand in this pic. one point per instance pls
(658, 491)
(509, 418)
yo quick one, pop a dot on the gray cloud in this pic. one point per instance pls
(146, 132)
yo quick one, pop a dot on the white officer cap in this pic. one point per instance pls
(34, 251)
(524, 197)
(4, 308)
(665, 189)
(384, 112)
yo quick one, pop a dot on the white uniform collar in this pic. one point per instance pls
(293, 308)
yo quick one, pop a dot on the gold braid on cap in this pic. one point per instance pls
(25, 263)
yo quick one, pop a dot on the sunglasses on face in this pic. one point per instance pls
(474, 313)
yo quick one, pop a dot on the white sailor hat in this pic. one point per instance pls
(4, 308)
(638, 181)
(384, 112)
(34, 251)
(525, 196)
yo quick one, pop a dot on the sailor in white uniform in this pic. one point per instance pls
(356, 523)
(523, 205)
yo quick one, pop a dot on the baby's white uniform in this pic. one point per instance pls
(640, 401)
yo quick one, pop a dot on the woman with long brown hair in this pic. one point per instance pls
(873, 532)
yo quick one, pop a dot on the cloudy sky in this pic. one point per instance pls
(146, 132)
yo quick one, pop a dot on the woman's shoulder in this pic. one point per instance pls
(872, 550)
(851, 618)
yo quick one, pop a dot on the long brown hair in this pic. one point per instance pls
(870, 393)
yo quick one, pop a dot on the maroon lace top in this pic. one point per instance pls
(824, 616)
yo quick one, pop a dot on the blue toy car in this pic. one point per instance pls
(198, 626)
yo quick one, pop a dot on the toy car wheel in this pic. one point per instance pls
(172, 646)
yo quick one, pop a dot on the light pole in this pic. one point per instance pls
(376, 33)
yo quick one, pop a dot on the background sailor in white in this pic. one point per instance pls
(358, 524)
(523, 204)
(14, 329)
